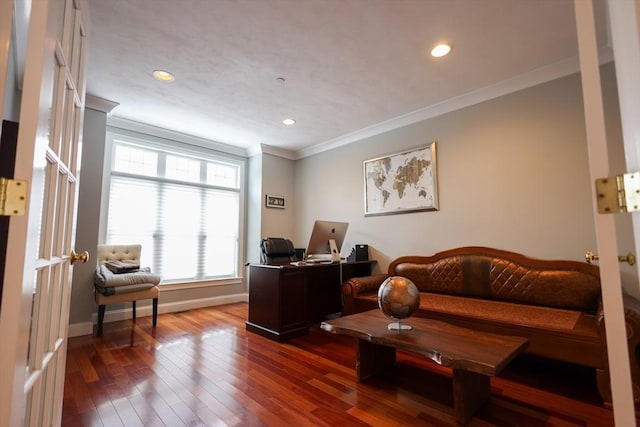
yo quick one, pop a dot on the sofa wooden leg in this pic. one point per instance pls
(603, 381)
(155, 311)
(134, 310)
(101, 309)
(604, 386)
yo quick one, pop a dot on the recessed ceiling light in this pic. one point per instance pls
(288, 122)
(440, 50)
(163, 75)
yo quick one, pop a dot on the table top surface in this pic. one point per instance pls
(444, 343)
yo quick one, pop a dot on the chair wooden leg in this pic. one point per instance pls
(134, 311)
(155, 311)
(101, 309)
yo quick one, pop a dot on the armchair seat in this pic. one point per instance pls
(119, 278)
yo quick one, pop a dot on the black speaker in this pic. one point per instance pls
(362, 252)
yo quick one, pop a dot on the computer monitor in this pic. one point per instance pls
(323, 232)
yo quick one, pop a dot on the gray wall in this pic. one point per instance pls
(274, 175)
(513, 174)
(88, 220)
(278, 180)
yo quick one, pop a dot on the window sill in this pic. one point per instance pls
(176, 286)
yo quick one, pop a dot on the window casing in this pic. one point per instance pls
(182, 205)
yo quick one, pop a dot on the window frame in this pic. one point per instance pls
(173, 144)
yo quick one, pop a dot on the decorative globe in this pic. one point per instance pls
(398, 298)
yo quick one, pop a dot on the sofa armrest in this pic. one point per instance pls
(359, 285)
(631, 319)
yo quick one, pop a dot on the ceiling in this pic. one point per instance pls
(348, 65)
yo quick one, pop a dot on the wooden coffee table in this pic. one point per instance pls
(474, 356)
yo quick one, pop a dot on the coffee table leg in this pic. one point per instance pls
(470, 391)
(373, 359)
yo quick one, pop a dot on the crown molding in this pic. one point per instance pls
(119, 122)
(280, 152)
(257, 149)
(523, 81)
(254, 150)
(100, 104)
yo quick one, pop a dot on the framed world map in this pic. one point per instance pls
(401, 182)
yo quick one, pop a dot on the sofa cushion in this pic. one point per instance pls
(532, 316)
(515, 315)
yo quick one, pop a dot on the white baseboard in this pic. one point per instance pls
(86, 328)
(80, 329)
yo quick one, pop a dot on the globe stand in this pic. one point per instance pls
(399, 326)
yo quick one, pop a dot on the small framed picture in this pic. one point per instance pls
(275, 201)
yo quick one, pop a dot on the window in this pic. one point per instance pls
(182, 206)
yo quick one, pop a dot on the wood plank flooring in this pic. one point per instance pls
(202, 368)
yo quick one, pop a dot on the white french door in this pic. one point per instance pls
(623, 22)
(37, 282)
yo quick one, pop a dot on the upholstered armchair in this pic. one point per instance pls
(119, 278)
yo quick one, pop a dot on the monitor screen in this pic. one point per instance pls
(320, 235)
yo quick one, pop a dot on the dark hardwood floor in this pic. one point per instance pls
(202, 368)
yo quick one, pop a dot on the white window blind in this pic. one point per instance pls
(183, 210)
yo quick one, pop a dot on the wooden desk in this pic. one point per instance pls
(474, 356)
(284, 299)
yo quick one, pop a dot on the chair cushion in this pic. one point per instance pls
(150, 293)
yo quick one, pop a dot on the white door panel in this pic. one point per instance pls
(36, 286)
(605, 224)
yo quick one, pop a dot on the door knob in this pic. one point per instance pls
(630, 258)
(82, 257)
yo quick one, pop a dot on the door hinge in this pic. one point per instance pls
(13, 197)
(618, 194)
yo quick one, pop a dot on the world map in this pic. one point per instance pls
(400, 182)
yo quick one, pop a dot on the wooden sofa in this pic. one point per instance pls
(556, 305)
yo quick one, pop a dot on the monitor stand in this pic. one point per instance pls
(335, 253)
(334, 256)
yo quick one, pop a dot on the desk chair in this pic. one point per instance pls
(119, 278)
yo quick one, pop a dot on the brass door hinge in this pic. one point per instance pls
(619, 194)
(13, 197)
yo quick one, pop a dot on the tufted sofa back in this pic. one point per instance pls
(501, 275)
(125, 253)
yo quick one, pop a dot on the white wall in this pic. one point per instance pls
(512, 172)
